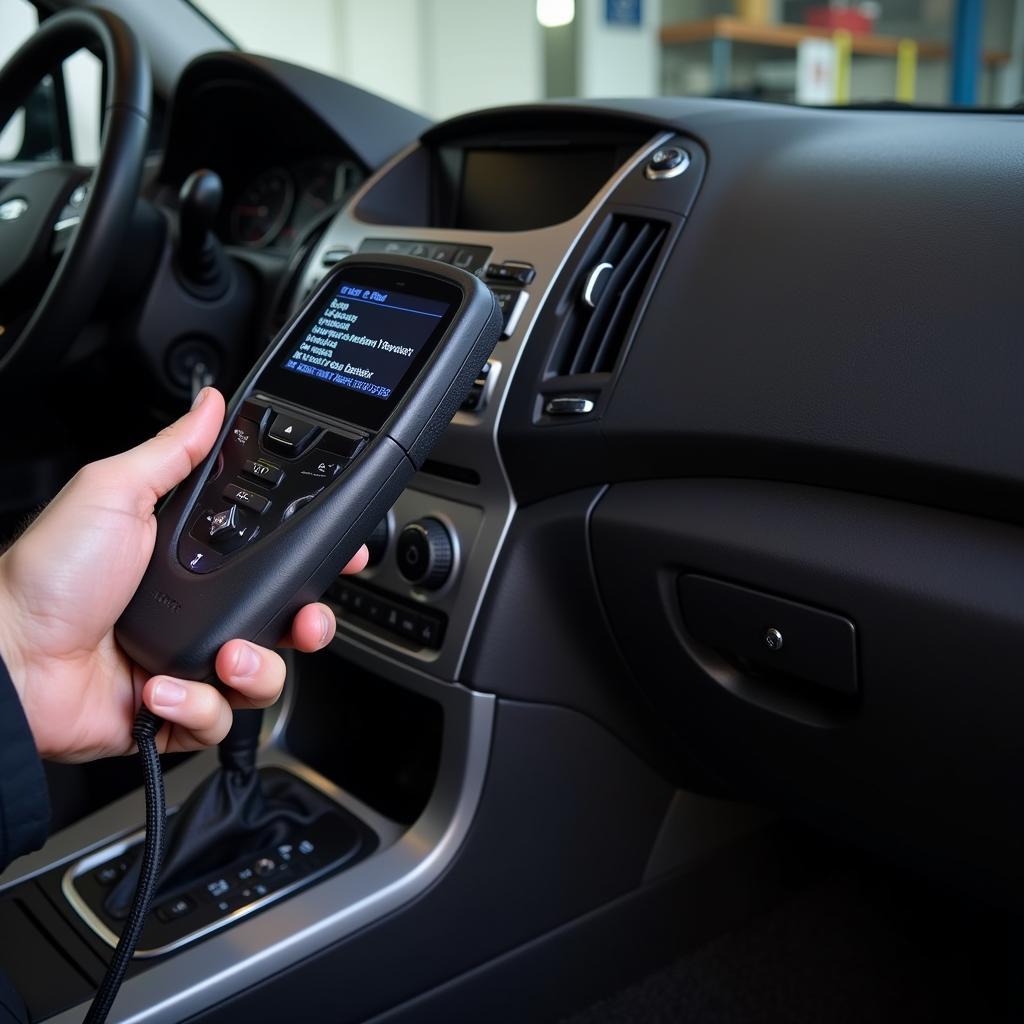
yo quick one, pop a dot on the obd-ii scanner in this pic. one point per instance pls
(319, 441)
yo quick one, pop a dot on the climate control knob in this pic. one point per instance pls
(424, 552)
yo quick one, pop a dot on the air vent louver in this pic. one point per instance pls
(605, 294)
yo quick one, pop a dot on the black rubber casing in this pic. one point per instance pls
(178, 619)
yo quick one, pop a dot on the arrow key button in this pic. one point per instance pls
(289, 436)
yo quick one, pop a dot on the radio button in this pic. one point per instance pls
(443, 253)
(408, 624)
(511, 270)
(289, 435)
(246, 499)
(429, 633)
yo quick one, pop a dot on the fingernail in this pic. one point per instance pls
(325, 627)
(200, 398)
(169, 694)
(247, 663)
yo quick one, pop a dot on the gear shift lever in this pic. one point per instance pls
(201, 263)
(230, 814)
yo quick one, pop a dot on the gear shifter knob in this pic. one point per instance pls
(198, 205)
(200, 258)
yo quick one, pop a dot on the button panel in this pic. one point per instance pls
(303, 852)
(249, 495)
(511, 271)
(469, 257)
(420, 627)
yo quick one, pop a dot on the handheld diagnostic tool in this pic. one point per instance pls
(318, 443)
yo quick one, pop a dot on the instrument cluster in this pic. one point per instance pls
(272, 208)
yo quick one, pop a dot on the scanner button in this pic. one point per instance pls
(290, 435)
(223, 522)
(322, 466)
(247, 499)
(263, 471)
(227, 531)
(243, 431)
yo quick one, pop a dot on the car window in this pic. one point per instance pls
(446, 56)
(34, 132)
(83, 79)
(19, 21)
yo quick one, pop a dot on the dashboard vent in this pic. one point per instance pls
(605, 295)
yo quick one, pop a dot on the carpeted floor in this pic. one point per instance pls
(859, 947)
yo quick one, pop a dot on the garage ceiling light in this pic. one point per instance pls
(553, 13)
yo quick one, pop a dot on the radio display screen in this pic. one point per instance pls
(521, 189)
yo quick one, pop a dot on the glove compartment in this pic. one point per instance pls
(916, 746)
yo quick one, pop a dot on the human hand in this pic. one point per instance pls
(68, 578)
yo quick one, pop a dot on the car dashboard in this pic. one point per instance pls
(733, 508)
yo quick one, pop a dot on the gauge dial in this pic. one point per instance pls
(320, 189)
(263, 208)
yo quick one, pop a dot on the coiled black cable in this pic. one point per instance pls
(146, 726)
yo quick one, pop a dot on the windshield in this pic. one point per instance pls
(442, 57)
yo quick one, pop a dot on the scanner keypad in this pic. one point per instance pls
(257, 484)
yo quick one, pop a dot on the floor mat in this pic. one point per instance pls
(857, 947)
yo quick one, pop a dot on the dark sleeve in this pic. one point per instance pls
(24, 799)
(12, 1009)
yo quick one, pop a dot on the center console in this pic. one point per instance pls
(510, 208)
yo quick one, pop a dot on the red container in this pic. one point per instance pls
(839, 18)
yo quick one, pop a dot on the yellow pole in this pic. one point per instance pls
(844, 50)
(906, 70)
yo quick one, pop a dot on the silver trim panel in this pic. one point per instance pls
(513, 318)
(407, 862)
(471, 440)
(84, 911)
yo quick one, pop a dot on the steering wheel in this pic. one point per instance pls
(36, 209)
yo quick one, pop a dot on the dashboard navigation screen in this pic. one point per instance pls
(366, 339)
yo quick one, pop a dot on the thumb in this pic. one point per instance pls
(161, 463)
